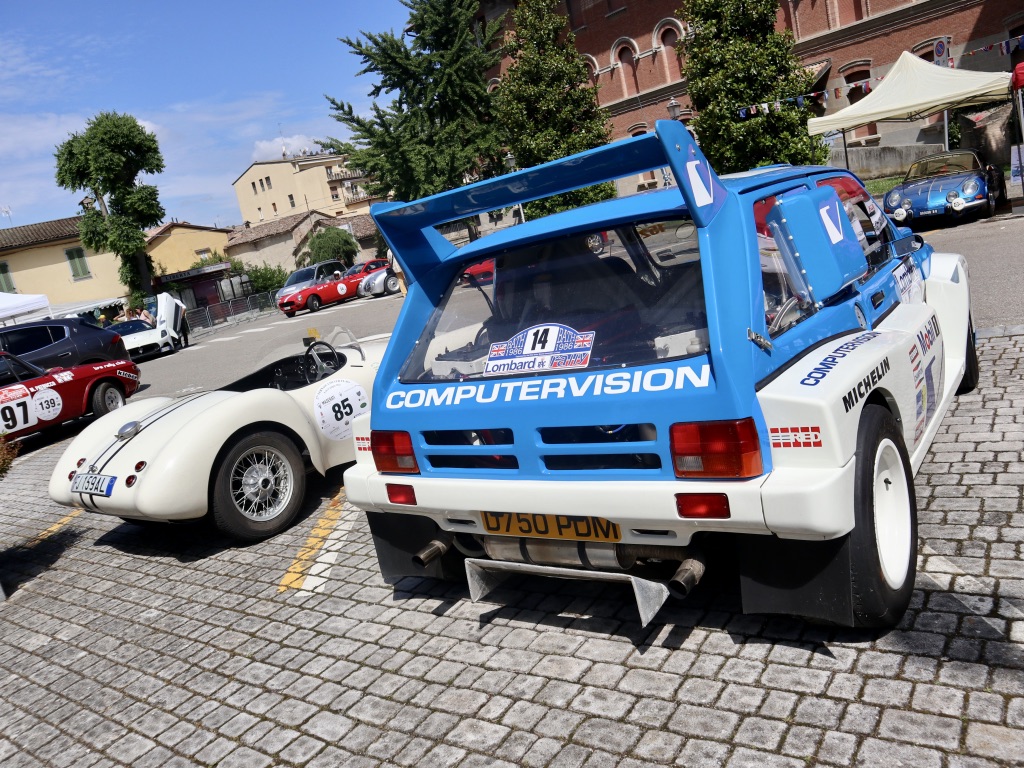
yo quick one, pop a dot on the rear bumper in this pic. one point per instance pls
(791, 503)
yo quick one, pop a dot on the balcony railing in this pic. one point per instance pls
(335, 175)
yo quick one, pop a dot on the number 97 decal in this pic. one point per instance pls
(336, 404)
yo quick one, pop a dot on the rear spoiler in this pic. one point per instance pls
(409, 230)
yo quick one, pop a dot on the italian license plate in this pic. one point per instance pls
(98, 485)
(551, 526)
(929, 213)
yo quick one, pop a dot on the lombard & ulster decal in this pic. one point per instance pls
(540, 348)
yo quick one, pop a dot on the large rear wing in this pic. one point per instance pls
(409, 228)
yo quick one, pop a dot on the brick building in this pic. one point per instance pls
(630, 49)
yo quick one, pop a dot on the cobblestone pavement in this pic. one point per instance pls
(124, 645)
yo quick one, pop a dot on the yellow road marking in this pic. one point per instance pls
(53, 528)
(296, 573)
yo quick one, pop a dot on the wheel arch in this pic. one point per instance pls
(251, 429)
(91, 389)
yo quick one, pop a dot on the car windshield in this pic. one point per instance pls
(296, 343)
(607, 298)
(354, 270)
(943, 165)
(130, 326)
(299, 276)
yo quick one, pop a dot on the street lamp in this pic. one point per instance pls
(510, 163)
(674, 108)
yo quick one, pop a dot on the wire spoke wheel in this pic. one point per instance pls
(261, 483)
(258, 487)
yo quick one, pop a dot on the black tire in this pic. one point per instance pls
(313, 303)
(289, 314)
(883, 543)
(971, 371)
(391, 285)
(258, 487)
(106, 397)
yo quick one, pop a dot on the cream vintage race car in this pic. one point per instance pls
(238, 453)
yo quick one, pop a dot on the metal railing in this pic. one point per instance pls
(203, 319)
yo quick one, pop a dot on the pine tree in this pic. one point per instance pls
(735, 59)
(546, 105)
(436, 132)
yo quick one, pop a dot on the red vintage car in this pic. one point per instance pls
(32, 399)
(328, 291)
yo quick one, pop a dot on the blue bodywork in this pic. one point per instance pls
(952, 184)
(719, 384)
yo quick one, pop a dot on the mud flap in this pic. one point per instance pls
(398, 537)
(484, 576)
(800, 578)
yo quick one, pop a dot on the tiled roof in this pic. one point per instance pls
(267, 229)
(362, 225)
(165, 228)
(36, 234)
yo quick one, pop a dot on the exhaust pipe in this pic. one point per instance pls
(435, 549)
(686, 576)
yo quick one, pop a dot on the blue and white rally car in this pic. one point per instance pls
(761, 359)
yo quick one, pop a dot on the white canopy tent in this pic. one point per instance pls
(914, 89)
(15, 305)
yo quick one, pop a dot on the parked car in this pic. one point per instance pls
(753, 364)
(307, 276)
(65, 342)
(954, 184)
(235, 453)
(142, 339)
(381, 282)
(480, 273)
(32, 399)
(330, 290)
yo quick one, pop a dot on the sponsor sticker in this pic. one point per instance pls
(17, 392)
(831, 360)
(540, 348)
(127, 375)
(363, 445)
(795, 437)
(62, 377)
(336, 403)
(592, 385)
(908, 280)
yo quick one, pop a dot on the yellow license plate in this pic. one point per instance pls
(550, 526)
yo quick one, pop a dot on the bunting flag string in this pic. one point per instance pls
(1004, 48)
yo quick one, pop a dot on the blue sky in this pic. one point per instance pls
(219, 82)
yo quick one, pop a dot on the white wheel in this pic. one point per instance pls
(892, 518)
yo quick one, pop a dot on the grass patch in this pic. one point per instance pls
(878, 187)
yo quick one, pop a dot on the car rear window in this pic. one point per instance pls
(299, 276)
(608, 298)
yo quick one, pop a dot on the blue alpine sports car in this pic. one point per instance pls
(952, 184)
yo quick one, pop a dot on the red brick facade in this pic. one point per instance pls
(629, 45)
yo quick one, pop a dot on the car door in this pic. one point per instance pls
(47, 346)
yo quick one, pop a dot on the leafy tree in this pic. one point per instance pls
(734, 59)
(545, 105)
(266, 278)
(327, 244)
(436, 132)
(106, 160)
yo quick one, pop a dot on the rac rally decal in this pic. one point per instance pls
(830, 361)
(865, 385)
(596, 384)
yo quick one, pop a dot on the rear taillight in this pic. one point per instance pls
(717, 449)
(392, 452)
(117, 339)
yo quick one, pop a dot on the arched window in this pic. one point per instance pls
(624, 53)
(666, 36)
(592, 68)
(859, 74)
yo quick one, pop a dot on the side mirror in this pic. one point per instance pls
(813, 230)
